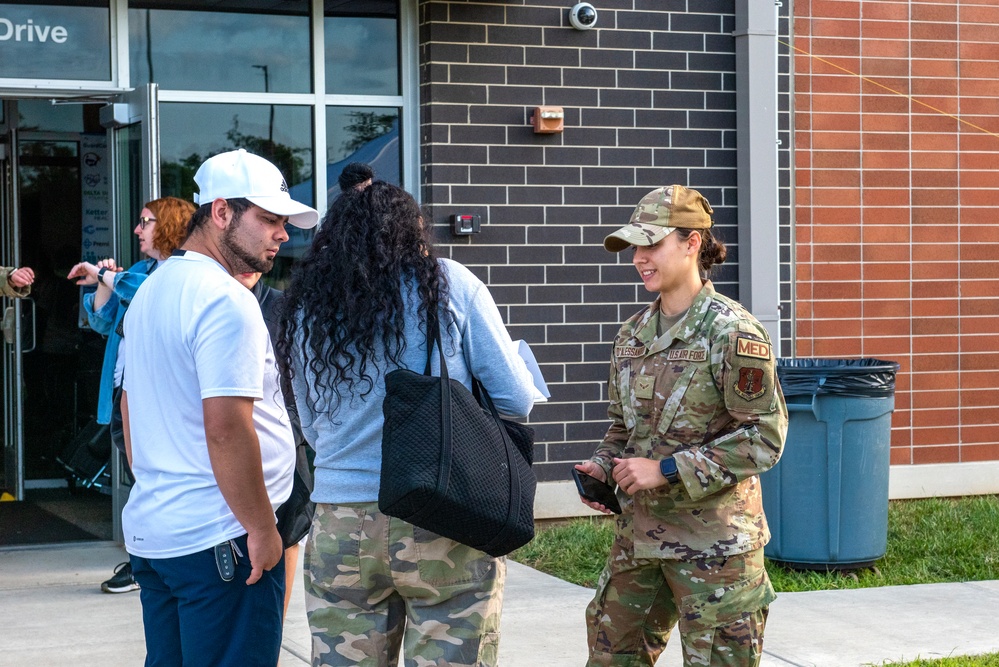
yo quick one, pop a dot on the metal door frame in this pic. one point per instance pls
(10, 255)
(16, 312)
(134, 177)
(138, 107)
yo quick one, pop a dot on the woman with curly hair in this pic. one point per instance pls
(161, 228)
(357, 309)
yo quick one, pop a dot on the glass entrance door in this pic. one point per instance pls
(46, 357)
(12, 484)
(56, 473)
(73, 178)
(133, 134)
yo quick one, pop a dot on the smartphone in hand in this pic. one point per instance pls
(595, 491)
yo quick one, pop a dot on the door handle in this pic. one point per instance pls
(34, 328)
(8, 325)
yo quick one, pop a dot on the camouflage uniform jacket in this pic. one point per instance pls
(6, 289)
(706, 393)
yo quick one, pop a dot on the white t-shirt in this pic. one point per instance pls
(192, 332)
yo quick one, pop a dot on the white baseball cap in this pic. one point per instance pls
(238, 174)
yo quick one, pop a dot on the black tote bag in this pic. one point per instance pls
(451, 465)
(294, 516)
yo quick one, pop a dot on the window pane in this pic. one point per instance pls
(362, 134)
(191, 133)
(362, 47)
(70, 40)
(128, 190)
(183, 46)
(43, 116)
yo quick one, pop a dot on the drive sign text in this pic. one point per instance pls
(29, 32)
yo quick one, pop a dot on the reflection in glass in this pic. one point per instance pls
(362, 134)
(50, 209)
(191, 133)
(184, 46)
(362, 47)
(129, 197)
(49, 196)
(43, 116)
(56, 40)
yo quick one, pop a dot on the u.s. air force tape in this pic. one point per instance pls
(687, 355)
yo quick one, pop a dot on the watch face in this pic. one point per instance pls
(668, 467)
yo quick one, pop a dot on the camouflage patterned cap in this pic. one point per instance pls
(659, 213)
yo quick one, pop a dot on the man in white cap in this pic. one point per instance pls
(207, 435)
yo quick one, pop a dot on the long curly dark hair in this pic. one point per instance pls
(345, 308)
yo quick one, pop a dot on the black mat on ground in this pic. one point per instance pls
(27, 523)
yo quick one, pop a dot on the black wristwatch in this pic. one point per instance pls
(668, 468)
(100, 273)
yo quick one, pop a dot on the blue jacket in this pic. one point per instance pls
(107, 321)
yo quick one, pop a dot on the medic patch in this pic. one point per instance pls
(629, 351)
(750, 347)
(687, 355)
(750, 384)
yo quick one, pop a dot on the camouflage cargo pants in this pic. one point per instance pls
(720, 603)
(374, 583)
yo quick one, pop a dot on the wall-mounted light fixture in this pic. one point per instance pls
(548, 120)
(583, 16)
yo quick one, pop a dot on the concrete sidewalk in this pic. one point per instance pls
(54, 613)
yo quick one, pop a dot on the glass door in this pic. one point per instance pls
(13, 435)
(133, 137)
(50, 363)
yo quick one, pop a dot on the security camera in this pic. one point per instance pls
(583, 16)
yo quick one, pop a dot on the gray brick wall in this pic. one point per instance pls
(649, 100)
(785, 123)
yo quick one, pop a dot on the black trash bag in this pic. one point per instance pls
(861, 378)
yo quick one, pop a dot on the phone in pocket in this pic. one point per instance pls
(595, 491)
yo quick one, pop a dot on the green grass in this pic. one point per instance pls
(574, 551)
(929, 541)
(986, 660)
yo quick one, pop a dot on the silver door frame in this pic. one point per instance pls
(138, 107)
(13, 379)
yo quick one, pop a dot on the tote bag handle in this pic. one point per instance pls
(444, 469)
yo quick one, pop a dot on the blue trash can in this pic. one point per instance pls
(826, 500)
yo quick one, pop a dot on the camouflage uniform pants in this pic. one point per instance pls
(374, 583)
(721, 605)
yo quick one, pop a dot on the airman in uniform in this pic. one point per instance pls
(697, 414)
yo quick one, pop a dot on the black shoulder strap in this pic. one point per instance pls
(444, 469)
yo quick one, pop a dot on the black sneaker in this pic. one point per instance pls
(122, 581)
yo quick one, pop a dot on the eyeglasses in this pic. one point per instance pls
(143, 221)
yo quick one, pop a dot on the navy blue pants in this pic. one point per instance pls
(192, 617)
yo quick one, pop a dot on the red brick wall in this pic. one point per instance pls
(897, 208)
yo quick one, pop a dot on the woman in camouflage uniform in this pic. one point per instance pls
(697, 414)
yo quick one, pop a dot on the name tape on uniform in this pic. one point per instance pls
(749, 347)
(629, 351)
